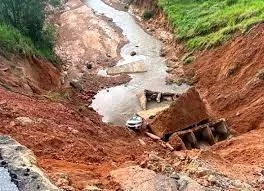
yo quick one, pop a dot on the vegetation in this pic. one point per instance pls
(23, 29)
(206, 23)
(147, 15)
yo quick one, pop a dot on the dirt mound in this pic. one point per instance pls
(229, 79)
(65, 141)
(186, 111)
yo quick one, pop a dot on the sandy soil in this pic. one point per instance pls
(86, 38)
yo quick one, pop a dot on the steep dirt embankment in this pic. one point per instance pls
(28, 75)
(230, 79)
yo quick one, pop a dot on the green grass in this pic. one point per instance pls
(13, 41)
(207, 23)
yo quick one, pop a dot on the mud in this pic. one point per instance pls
(87, 43)
(75, 144)
(147, 49)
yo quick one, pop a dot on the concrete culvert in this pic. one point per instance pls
(186, 124)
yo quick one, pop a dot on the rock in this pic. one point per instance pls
(158, 97)
(142, 99)
(94, 183)
(135, 178)
(176, 142)
(74, 131)
(188, 184)
(12, 124)
(180, 155)
(157, 164)
(261, 74)
(175, 176)
(142, 142)
(168, 145)
(24, 121)
(92, 188)
(22, 166)
(133, 67)
(169, 79)
(62, 179)
(152, 136)
(163, 53)
(76, 84)
(68, 188)
(89, 66)
(133, 53)
(212, 179)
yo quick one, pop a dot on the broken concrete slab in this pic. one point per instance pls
(151, 113)
(133, 67)
(145, 96)
(142, 99)
(135, 178)
(22, 165)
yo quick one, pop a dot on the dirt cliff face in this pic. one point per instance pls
(28, 75)
(230, 80)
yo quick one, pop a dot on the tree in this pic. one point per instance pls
(26, 15)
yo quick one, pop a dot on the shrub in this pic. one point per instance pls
(14, 42)
(147, 15)
(27, 18)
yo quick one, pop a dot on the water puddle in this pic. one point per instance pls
(119, 103)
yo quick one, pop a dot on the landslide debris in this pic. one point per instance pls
(66, 141)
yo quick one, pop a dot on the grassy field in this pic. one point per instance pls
(207, 23)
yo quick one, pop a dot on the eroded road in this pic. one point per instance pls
(118, 103)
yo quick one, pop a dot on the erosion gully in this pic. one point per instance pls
(119, 103)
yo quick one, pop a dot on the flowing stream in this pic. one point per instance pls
(117, 104)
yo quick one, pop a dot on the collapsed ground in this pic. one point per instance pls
(71, 141)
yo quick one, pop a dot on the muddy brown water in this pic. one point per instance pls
(117, 104)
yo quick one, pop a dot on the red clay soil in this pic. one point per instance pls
(65, 141)
(230, 79)
(28, 75)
